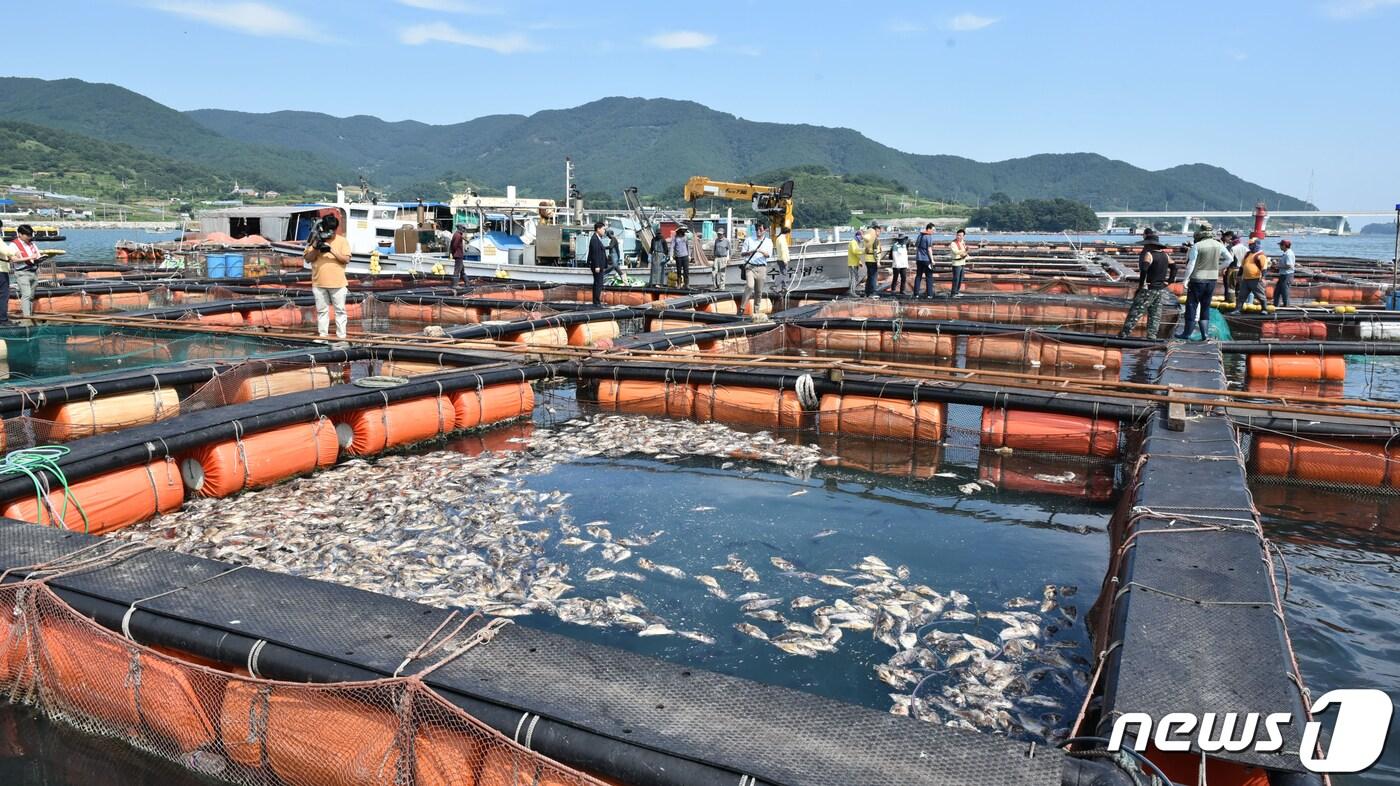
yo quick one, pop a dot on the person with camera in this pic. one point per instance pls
(328, 254)
(598, 259)
(755, 272)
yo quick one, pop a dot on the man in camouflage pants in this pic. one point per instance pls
(1155, 270)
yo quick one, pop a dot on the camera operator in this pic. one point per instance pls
(328, 254)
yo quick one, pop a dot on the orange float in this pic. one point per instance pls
(112, 501)
(369, 431)
(119, 301)
(280, 383)
(882, 417)
(260, 459)
(1054, 354)
(1303, 367)
(231, 319)
(109, 413)
(849, 341)
(1049, 432)
(1045, 475)
(542, 337)
(646, 397)
(1294, 330)
(923, 345)
(411, 368)
(1343, 462)
(1019, 348)
(748, 406)
(590, 334)
(56, 304)
(492, 404)
(88, 673)
(274, 317)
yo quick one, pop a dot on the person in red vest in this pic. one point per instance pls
(24, 261)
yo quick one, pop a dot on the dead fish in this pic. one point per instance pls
(750, 575)
(832, 581)
(826, 533)
(798, 493)
(599, 574)
(805, 602)
(695, 635)
(701, 509)
(1060, 479)
(673, 572)
(577, 543)
(758, 604)
(712, 587)
(782, 564)
(767, 615)
(895, 677)
(980, 643)
(1047, 604)
(751, 630)
(969, 488)
(615, 553)
(1003, 451)
(655, 629)
(598, 531)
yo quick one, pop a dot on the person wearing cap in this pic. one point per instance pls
(923, 261)
(755, 271)
(1252, 275)
(658, 253)
(680, 252)
(1202, 271)
(1155, 271)
(870, 253)
(598, 259)
(24, 259)
(957, 251)
(457, 248)
(853, 251)
(721, 259)
(1230, 276)
(1284, 267)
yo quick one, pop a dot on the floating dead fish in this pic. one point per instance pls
(757, 604)
(969, 488)
(798, 493)
(599, 574)
(826, 533)
(832, 581)
(655, 629)
(695, 635)
(781, 564)
(701, 509)
(751, 630)
(805, 602)
(749, 575)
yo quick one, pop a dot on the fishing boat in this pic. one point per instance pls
(42, 234)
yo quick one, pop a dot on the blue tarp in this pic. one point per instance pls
(7, 201)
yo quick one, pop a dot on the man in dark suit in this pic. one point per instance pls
(598, 259)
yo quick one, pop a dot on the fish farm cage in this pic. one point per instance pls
(132, 395)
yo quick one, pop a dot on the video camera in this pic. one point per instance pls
(320, 237)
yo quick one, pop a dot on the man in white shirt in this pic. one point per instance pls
(24, 259)
(758, 250)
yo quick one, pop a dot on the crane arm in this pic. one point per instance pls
(772, 201)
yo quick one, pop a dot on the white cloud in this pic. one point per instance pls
(1350, 9)
(681, 39)
(450, 6)
(259, 19)
(441, 32)
(968, 22)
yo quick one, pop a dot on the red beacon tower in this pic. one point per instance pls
(1261, 214)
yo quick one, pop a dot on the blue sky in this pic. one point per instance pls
(1273, 91)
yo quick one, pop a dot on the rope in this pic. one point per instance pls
(807, 392)
(30, 462)
(381, 381)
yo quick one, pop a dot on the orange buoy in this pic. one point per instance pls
(369, 431)
(923, 345)
(1055, 354)
(613, 297)
(1049, 432)
(109, 413)
(882, 417)
(1019, 348)
(591, 334)
(260, 459)
(273, 317)
(655, 324)
(1310, 367)
(542, 337)
(411, 368)
(231, 319)
(410, 312)
(88, 673)
(59, 304)
(849, 341)
(1343, 462)
(1293, 330)
(1044, 475)
(748, 406)
(112, 501)
(492, 404)
(280, 383)
(119, 301)
(647, 397)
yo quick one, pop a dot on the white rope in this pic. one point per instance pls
(807, 392)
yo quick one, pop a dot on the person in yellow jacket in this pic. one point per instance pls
(328, 255)
(853, 252)
(870, 252)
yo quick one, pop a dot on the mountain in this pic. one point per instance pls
(75, 163)
(654, 144)
(1379, 228)
(657, 143)
(114, 114)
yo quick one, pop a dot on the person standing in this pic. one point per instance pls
(756, 272)
(899, 265)
(24, 260)
(870, 253)
(1202, 271)
(957, 250)
(782, 239)
(658, 259)
(923, 261)
(1231, 274)
(853, 251)
(680, 252)
(1252, 276)
(1285, 266)
(4, 280)
(1155, 271)
(721, 258)
(457, 248)
(328, 256)
(598, 259)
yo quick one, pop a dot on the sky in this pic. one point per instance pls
(1290, 94)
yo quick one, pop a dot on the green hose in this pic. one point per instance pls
(29, 462)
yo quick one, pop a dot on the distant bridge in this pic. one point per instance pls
(1110, 216)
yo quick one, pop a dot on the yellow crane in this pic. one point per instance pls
(775, 202)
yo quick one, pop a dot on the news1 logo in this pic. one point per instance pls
(1358, 733)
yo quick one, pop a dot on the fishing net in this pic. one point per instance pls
(1360, 465)
(1084, 317)
(227, 722)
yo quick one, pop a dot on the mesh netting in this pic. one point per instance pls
(1005, 311)
(1357, 465)
(254, 731)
